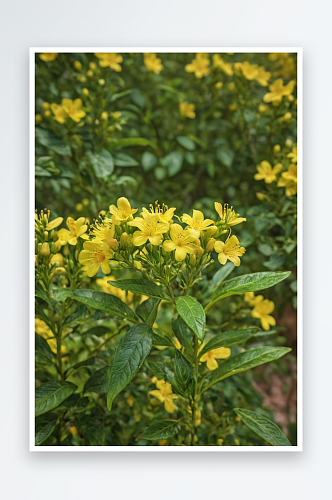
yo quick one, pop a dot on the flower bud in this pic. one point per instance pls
(287, 116)
(79, 207)
(85, 91)
(123, 239)
(46, 235)
(211, 231)
(38, 118)
(93, 66)
(60, 270)
(210, 245)
(78, 65)
(45, 249)
(89, 73)
(111, 242)
(101, 81)
(197, 242)
(104, 115)
(192, 259)
(36, 261)
(288, 143)
(200, 252)
(276, 148)
(45, 106)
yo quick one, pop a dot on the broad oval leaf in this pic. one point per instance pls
(245, 361)
(163, 429)
(148, 310)
(227, 339)
(51, 394)
(186, 142)
(183, 372)
(45, 425)
(248, 283)
(149, 160)
(183, 333)
(97, 382)
(124, 160)
(262, 426)
(128, 358)
(42, 347)
(141, 286)
(192, 313)
(97, 300)
(102, 164)
(159, 339)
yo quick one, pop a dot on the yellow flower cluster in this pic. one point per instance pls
(199, 66)
(262, 309)
(119, 232)
(68, 109)
(288, 179)
(253, 72)
(110, 60)
(153, 63)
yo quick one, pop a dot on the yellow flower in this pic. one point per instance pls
(187, 109)
(263, 76)
(104, 233)
(45, 216)
(262, 108)
(278, 90)
(167, 215)
(73, 109)
(228, 215)
(122, 211)
(252, 299)
(57, 259)
(59, 113)
(289, 180)
(262, 311)
(94, 256)
(181, 241)
(249, 71)
(48, 56)
(149, 229)
(38, 118)
(76, 229)
(153, 63)
(165, 395)
(199, 66)
(197, 221)
(211, 356)
(230, 250)
(293, 154)
(218, 62)
(266, 172)
(110, 60)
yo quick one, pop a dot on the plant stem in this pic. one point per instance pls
(194, 401)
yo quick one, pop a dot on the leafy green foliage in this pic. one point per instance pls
(163, 429)
(263, 427)
(97, 382)
(52, 394)
(44, 426)
(192, 313)
(227, 339)
(183, 372)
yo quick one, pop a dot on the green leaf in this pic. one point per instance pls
(186, 142)
(97, 382)
(245, 361)
(221, 275)
(160, 173)
(102, 164)
(183, 333)
(162, 429)
(98, 300)
(98, 331)
(42, 347)
(141, 286)
(183, 372)
(128, 358)
(45, 425)
(226, 156)
(51, 394)
(149, 160)
(262, 426)
(275, 261)
(174, 162)
(86, 362)
(131, 141)
(118, 95)
(148, 310)
(159, 370)
(248, 283)
(192, 313)
(227, 339)
(159, 339)
(78, 316)
(124, 160)
(51, 142)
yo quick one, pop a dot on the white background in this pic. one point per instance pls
(160, 23)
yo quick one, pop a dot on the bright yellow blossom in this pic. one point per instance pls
(59, 113)
(110, 60)
(249, 71)
(187, 109)
(48, 56)
(218, 62)
(278, 90)
(211, 356)
(73, 109)
(293, 155)
(165, 395)
(262, 311)
(230, 250)
(181, 241)
(105, 234)
(197, 221)
(153, 63)
(45, 216)
(165, 214)
(149, 229)
(252, 299)
(289, 180)
(94, 256)
(75, 230)
(266, 172)
(122, 211)
(199, 66)
(57, 259)
(263, 76)
(228, 215)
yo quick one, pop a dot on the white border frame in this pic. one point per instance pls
(222, 449)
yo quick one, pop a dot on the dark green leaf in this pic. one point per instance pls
(183, 372)
(149, 160)
(97, 300)
(192, 313)
(118, 95)
(174, 162)
(262, 426)
(86, 362)
(275, 261)
(221, 275)
(227, 339)
(141, 286)
(98, 331)
(245, 361)
(102, 164)
(148, 310)
(162, 429)
(42, 347)
(183, 333)
(51, 394)
(77, 317)
(226, 156)
(129, 357)
(131, 141)
(186, 142)
(159, 339)
(97, 382)
(51, 142)
(45, 425)
(124, 160)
